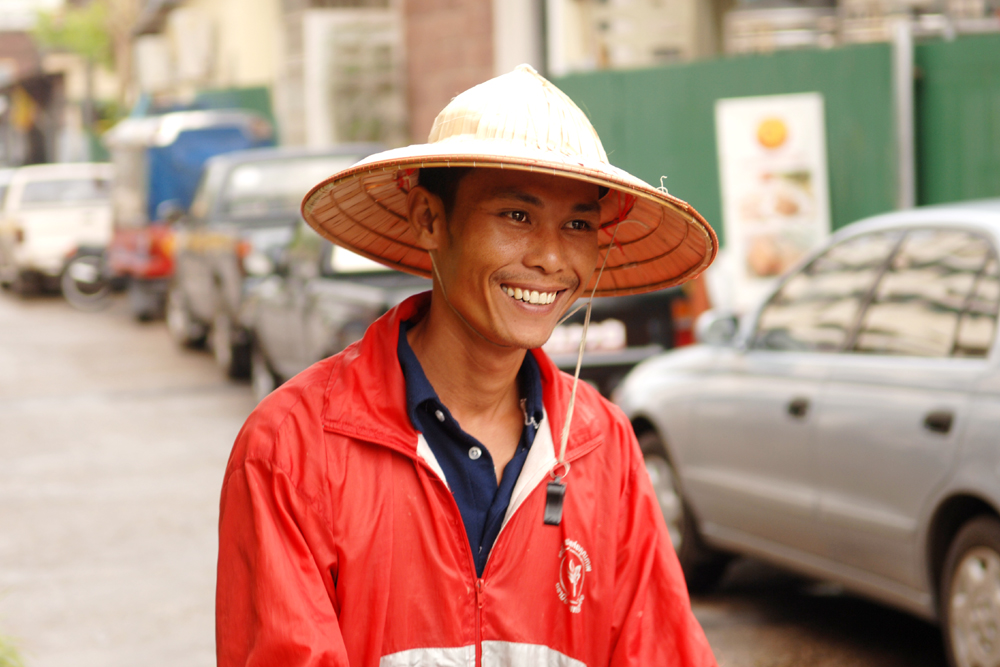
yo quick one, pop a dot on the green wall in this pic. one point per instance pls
(958, 119)
(662, 121)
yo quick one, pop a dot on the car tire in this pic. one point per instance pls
(703, 566)
(232, 356)
(970, 595)
(144, 302)
(263, 380)
(183, 328)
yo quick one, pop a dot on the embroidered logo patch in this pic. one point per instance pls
(573, 568)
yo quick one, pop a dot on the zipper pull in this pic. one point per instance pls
(479, 593)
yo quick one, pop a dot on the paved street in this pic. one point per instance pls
(113, 445)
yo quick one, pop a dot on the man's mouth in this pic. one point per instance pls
(530, 296)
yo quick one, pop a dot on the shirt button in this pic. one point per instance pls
(475, 453)
(439, 415)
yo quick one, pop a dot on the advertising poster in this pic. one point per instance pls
(775, 199)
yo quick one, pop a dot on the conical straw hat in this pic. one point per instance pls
(516, 121)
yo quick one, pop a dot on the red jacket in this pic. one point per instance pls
(340, 543)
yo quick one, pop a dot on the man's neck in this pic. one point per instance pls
(475, 378)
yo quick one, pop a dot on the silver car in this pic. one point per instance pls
(849, 427)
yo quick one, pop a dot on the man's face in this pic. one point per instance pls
(517, 251)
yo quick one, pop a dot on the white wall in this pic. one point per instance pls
(517, 34)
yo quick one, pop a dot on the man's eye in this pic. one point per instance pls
(517, 216)
(579, 225)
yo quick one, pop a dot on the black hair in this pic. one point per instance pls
(443, 182)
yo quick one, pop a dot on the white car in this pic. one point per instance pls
(48, 212)
(849, 427)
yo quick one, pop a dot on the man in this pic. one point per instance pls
(439, 493)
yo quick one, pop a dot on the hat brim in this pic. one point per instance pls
(659, 240)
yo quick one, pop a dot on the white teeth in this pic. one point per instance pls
(530, 296)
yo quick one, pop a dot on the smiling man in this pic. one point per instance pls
(439, 493)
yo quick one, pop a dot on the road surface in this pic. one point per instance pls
(113, 445)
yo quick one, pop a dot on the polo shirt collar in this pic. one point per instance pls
(419, 389)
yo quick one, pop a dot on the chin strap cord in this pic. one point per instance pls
(556, 491)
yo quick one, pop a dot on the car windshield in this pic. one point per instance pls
(264, 189)
(66, 191)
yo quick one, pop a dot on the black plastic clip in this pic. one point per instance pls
(554, 502)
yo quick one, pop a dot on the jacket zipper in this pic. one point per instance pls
(479, 622)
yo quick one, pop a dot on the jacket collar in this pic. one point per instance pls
(366, 395)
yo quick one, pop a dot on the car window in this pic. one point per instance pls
(816, 309)
(918, 305)
(978, 324)
(260, 189)
(65, 191)
(204, 195)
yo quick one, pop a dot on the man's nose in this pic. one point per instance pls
(546, 251)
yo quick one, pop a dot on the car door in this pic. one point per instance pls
(894, 406)
(752, 473)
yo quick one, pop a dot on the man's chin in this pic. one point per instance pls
(525, 340)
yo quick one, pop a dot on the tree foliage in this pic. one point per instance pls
(79, 29)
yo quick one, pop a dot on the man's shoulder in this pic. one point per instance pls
(590, 401)
(284, 424)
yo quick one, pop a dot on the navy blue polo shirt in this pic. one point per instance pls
(466, 463)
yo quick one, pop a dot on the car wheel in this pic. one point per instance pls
(702, 565)
(970, 595)
(82, 284)
(183, 328)
(144, 302)
(232, 356)
(262, 379)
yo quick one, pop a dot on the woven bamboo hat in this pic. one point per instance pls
(516, 121)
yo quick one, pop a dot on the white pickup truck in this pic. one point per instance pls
(47, 212)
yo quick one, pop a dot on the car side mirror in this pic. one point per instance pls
(717, 328)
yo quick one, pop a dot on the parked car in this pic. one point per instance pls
(319, 299)
(158, 163)
(48, 212)
(624, 330)
(850, 427)
(246, 203)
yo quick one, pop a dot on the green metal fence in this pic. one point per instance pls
(661, 121)
(958, 119)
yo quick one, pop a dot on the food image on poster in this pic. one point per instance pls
(772, 161)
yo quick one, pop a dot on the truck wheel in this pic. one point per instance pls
(82, 284)
(970, 595)
(703, 566)
(183, 328)
(233, 357)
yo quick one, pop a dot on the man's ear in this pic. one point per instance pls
(425, 213)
